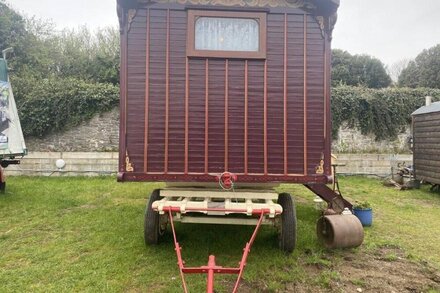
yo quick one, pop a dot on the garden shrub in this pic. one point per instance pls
(55, 104)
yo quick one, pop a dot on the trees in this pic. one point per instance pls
(12, 27)
(90, 56)
(60, 78)
(424, 71)
(43, 52)
(358, 70)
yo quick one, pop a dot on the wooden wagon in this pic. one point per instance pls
(224, 100)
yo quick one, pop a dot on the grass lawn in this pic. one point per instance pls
(86, 234)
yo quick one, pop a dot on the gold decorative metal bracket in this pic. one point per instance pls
(128, 164)
(326, 24)
(131, 16)
(321, 23)
(320, 168)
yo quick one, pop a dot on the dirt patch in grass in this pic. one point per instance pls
(386, 269)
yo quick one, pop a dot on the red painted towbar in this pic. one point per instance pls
(212, 268)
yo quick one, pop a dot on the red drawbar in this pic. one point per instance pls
(212, 268)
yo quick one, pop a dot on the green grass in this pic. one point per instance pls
(85, 234)
(407, 219)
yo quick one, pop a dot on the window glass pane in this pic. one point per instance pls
(227, 34)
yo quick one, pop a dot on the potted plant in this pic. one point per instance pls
(364, 212)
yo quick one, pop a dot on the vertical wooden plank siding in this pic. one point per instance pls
(157, 96)
(286, 171)
(275, 93)
(236, 116)
(167, 92)
(196, 121)
(265, 117)
(315, 91)
(246, 118)
(177, 57)
(186, 112)
(324, 94)
(216, 107)
(186, 116)
(295, 93)
(123, 103)
(305, 96)
(226, 115)
(206, 116)
(135, 87)
(147, 89)
(255, 117)
(327, 110)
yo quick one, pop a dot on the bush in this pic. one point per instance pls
(54, 104)
(383, 112)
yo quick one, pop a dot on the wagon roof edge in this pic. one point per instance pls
(324, 11)
(320, 7)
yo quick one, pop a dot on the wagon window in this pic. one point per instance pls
(226, 34)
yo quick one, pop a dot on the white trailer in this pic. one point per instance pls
(12, 145)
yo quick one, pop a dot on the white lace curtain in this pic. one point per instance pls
(227, 34)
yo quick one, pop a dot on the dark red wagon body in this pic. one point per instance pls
(188, 115)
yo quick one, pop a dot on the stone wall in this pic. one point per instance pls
(77, 164)
(351, 140)
(381, 165)
(100, 134)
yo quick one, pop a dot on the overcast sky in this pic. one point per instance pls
(390, 30)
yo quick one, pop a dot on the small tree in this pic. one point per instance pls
(358, 70)
(424, 71)
(12, 28)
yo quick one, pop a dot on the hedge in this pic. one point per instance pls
(382, 112)
(55, 104)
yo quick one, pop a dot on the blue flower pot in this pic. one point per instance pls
(364, 215)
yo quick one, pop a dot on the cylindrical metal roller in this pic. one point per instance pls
(340, 231)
